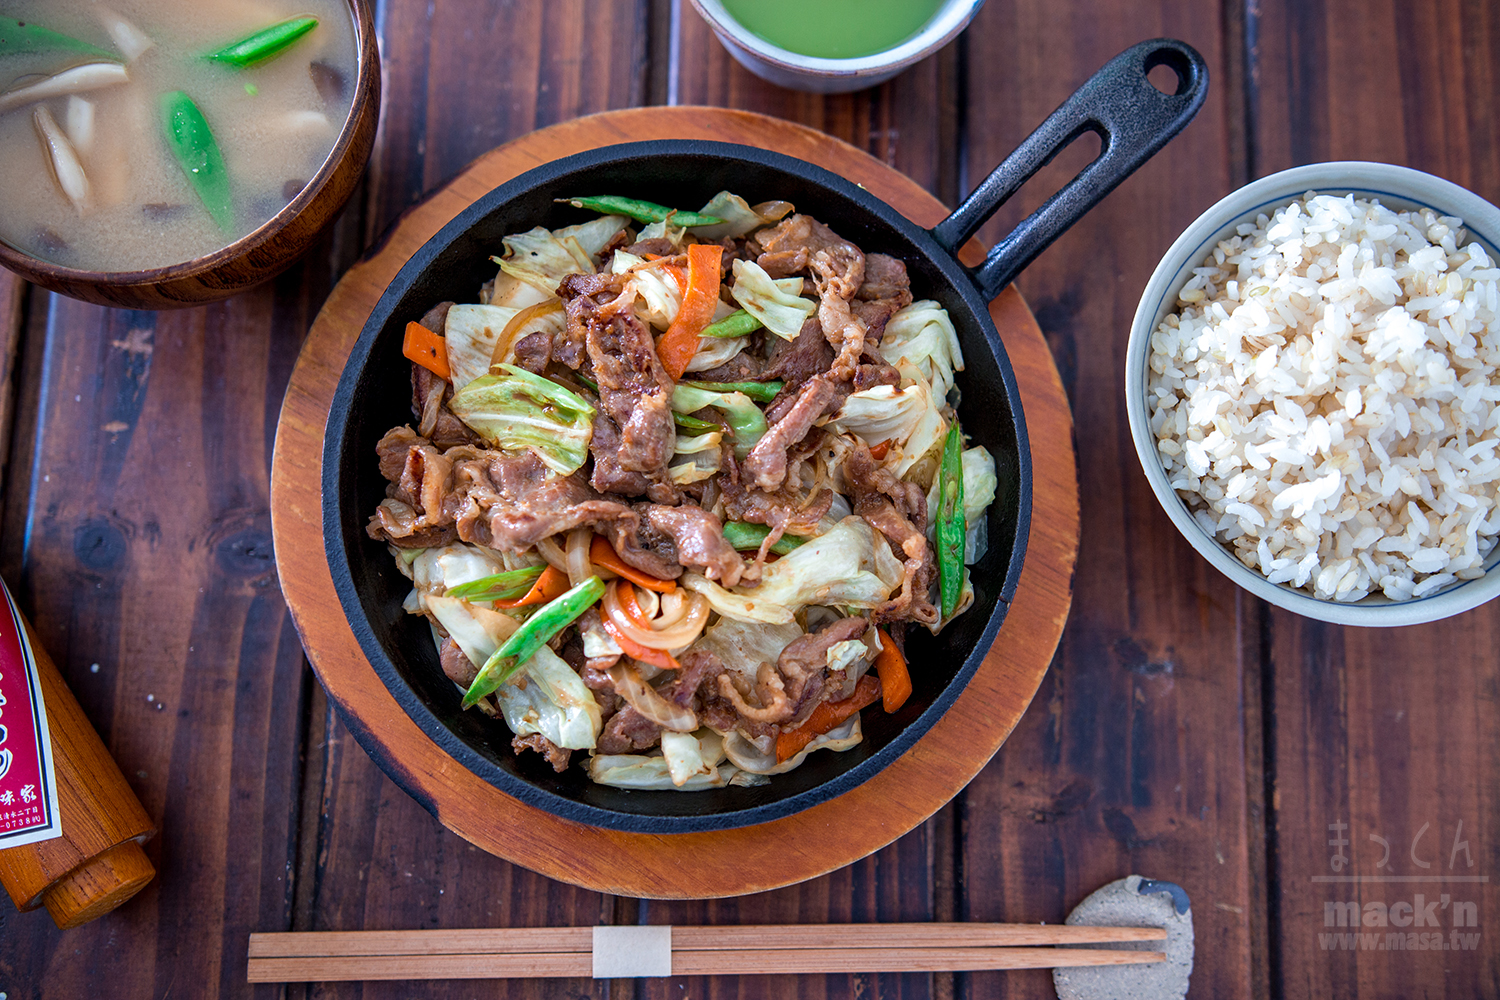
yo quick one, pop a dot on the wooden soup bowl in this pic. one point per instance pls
(262, 254)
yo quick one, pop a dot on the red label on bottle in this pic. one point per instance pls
(28, 790)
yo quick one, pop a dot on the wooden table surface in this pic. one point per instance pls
(1185, 732)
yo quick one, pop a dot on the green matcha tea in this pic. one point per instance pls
(834, 29)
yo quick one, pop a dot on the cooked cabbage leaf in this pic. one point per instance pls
(657, 297)
(549, 697)
(691, 754)
(518, 409)
(744, 646)
(542, 258)
(907, 417)
(687, 762)
(593, 236)
(738, 217)
(735, 606)
(435, 570)
(777, 304)
(477, 630)
(473, 330)
(922, 334)
(846, 567)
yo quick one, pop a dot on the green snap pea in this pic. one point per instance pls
(688, 423)
(264, 44)
(497, 586)
(197, 153)
(549, 620)
(951, 526)
(745, 419)
(641, 211)
(22, 36)
(761, 392)
(745, 537)
(736, 324)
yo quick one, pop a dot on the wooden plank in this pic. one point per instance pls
(909, 124)
(13, 293)
(1133, 756)
(139, 538)
(1383, 734)
(460, 79)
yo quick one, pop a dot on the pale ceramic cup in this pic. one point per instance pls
(833, 76)
(1397, 188)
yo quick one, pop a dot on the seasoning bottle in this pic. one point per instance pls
(70, 827)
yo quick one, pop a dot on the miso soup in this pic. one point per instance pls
(134, 135)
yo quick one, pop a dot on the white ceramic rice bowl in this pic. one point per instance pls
(1397, 188)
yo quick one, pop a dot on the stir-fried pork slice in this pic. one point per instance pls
(644, 547)
(885, 278)
(766, 465)
(898, 510)
(803, 358)
(456, 664)
(395, 522)
(534, 352)
(838, 271)
(430, 393)
(698, 538)
(788, 510)
(420, 478)
(585, 296)
(609, 475)
(866, 478)
(628, 731)
(554, 754)
(436, 318)
(803, 665)
(511, 502)
(634, 389)
(870, 375)
(659, 245)
(743, 367)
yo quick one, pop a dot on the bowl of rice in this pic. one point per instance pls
(1313, 386)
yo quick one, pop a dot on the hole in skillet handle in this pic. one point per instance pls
(1133, 119)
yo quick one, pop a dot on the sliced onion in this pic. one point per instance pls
(578, 565)
(679, 635)
(772, 211)
(644, 699)
(506, 341)
(737, 606)
(549, 550)
(649, 601)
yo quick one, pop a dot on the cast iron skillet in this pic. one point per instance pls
(1133, 119)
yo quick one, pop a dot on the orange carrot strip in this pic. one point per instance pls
(633, 609)
(552, 584)
(895, 679)
(601, 553)
(655, 657)
(678, 345)
(879, 451)
(825, 717)
(427, 349)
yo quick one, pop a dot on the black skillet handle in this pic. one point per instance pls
(1132, 118)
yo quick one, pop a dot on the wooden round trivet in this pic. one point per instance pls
(727, 863)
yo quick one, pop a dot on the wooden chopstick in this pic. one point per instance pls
(692, 963)
(541, 952)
